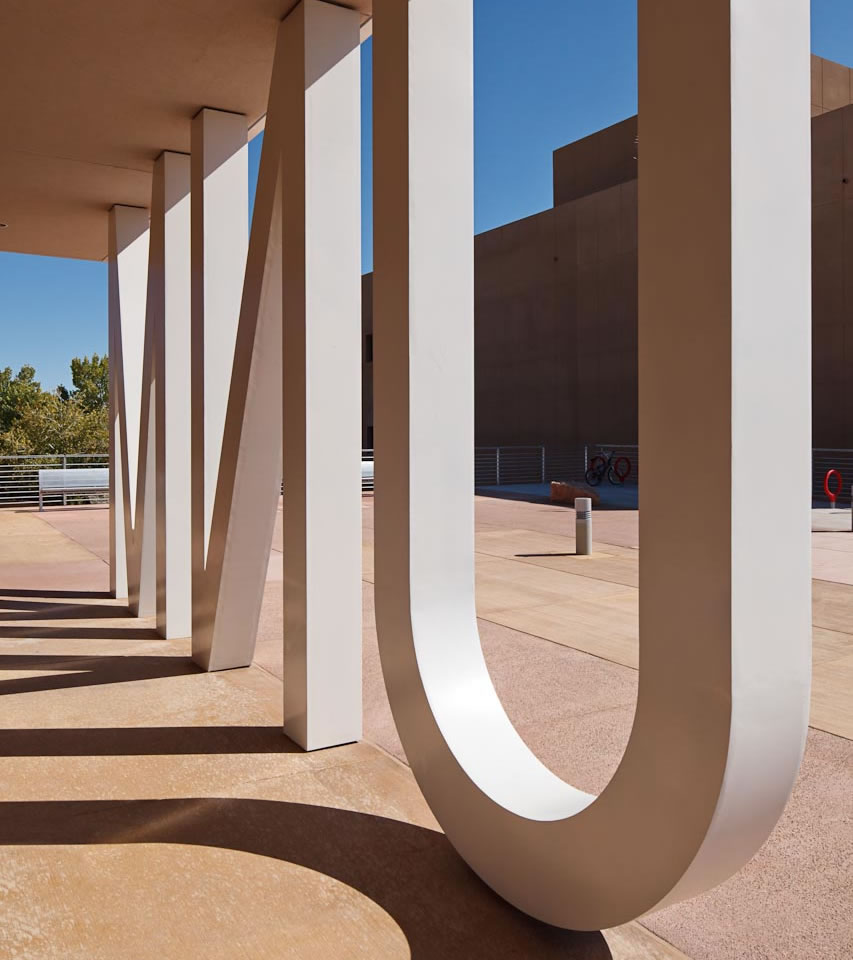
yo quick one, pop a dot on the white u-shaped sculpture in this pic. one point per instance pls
(724, 372)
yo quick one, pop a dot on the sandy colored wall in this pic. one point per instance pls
(556, 325)
(832, 264)
(556, 294)
(596, 162)
(832, 86)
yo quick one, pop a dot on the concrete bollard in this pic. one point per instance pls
(583, 526)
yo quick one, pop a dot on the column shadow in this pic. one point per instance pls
(144, 741)
(537, 555)
(76, 671)
(61, 594)
(66, 632)
(14, 609)
(413, 873)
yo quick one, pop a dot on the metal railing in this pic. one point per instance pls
(366, 472)
(19, 478)
(493, 466)
(825, 459)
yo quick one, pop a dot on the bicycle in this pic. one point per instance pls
(616, 469)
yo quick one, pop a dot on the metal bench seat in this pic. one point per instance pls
(77, 480)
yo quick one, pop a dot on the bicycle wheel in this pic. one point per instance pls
(595, 474)
(614, 477)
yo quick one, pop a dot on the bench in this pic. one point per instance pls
(77, 480)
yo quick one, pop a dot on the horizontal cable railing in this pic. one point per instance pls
(19, 478)
(825, 459)
(493, 466)
(566, 464)
(366, 471)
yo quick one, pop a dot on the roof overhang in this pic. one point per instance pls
(95, 90)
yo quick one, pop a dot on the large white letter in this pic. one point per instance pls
(131, 439)
(220, 229)
(169, 307)
(724, 371)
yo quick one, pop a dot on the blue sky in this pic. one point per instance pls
(563, 69)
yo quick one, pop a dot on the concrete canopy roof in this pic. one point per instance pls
(94, 90)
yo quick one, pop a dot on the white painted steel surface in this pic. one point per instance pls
(321, 268)
(128, 281)
(219, 244)
(724, 345)
(169, 307)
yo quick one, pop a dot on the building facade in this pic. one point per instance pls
(556, 293)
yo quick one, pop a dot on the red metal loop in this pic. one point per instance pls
(832, 495)
(622, 474)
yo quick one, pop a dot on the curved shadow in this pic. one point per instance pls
(444, 910)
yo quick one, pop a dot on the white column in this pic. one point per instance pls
(220, 226)
(169, 307)
(128, 275)
(321, 270)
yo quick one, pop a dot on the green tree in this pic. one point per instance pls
(52, 425)
(17, 394)
(91, 379)
(33, 421)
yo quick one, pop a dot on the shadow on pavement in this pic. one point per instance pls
(444, 910)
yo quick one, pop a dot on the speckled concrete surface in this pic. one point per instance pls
(574, 708)
(149, 810)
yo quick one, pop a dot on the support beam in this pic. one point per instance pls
(169, 310)
(321, 269)
(220, 216)
(128, 273)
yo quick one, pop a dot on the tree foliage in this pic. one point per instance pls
(17, 393)
(35, 421)
(91, 379)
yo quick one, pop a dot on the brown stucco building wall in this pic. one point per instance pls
(556, 293)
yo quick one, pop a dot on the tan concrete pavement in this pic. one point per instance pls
(151, 810)
(559, 634)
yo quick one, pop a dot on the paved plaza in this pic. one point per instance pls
(149, 809)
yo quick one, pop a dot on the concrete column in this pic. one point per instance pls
(128, 273)
(321, 270)
(169, 308)
(220, 225)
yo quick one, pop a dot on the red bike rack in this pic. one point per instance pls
(832, 495)
(623, 474)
